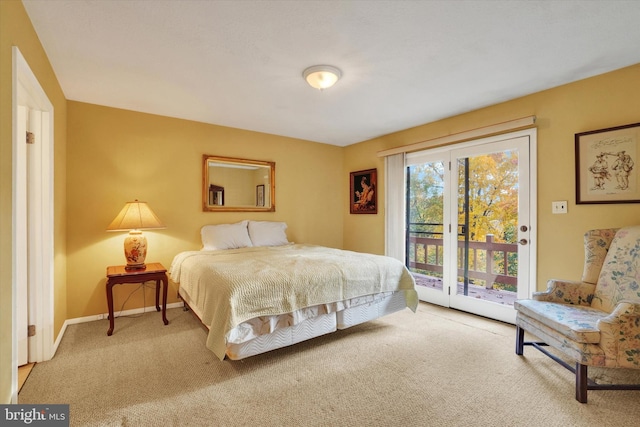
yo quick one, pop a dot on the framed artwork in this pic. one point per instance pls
(364, 192)
(259, 195)
(607, 165)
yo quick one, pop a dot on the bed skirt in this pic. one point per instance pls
(311, 327)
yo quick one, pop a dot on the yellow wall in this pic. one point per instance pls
(599, 102)
(115, 156)
(16, 30)
(112, 156)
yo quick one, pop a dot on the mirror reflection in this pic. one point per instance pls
(238, 185)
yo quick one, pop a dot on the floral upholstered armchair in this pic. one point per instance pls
(595, 322)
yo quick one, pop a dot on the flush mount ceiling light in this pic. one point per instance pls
(321, 76)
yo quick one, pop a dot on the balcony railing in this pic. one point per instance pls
(488, 261)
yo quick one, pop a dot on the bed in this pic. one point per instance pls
(255, 291)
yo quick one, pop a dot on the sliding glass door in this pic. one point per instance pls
(468, 225)
(427, 210)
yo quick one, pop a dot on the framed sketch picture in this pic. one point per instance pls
(364, 192)
(607, 169)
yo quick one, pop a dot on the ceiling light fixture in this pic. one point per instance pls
(321, 76)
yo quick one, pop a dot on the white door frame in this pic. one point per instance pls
(26, 91)
(442, 297)
(504, 313)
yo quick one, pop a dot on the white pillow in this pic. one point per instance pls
(267, 233)
(225, 236)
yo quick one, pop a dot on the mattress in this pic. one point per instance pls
(263, 325)
(355, 315)
(309, 328)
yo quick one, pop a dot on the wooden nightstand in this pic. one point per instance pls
(152, 272)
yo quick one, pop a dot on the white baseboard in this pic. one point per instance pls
(106, 316)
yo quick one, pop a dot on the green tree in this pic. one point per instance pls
(493, 196)
(426, 197)
(492, 202)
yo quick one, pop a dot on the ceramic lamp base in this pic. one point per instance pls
(135, 249)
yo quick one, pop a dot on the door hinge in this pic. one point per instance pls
(31, 330)
(31, 138)
(449, 290)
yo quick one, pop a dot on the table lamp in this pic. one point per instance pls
(134, 217)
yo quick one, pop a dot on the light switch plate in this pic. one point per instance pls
(559, 207)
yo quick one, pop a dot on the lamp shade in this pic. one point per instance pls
(135, 216)
(321, 76)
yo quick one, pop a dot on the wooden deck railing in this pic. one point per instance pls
(484, 259)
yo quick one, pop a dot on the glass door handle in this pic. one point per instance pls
(523, 241)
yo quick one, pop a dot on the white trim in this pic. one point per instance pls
(521, 143)
(432, 154)
(103, 316)
(14, 230)
(533, 209)
(455, 138)
(414, 158)
(20, 256)
(27, 91)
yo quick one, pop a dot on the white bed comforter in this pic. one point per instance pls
(233, 286)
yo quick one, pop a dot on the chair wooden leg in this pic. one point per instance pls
(581, 382)
(519, 341)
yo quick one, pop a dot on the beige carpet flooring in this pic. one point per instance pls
(438, 367)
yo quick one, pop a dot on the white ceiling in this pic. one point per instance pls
(404, 63)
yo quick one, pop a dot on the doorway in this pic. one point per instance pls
(32, 205)
(469, 224)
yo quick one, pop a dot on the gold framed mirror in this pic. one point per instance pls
(237, 185)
